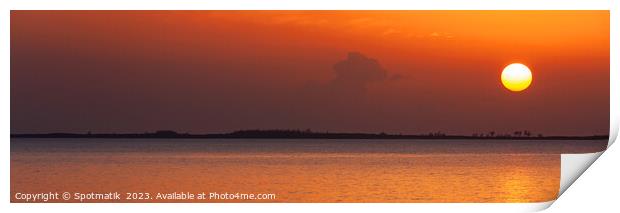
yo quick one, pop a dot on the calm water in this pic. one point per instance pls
(298, 170)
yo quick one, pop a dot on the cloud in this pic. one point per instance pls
(353, 76)
(390, 31)
(353, 95)
(344, 99)
(441, 35)
(354, 73)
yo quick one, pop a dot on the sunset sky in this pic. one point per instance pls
(404, 72)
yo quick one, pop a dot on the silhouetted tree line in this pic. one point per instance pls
(515, 134)
(309, 134)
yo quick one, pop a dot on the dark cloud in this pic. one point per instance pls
(359, 69)
(354, 73)
(342, 101)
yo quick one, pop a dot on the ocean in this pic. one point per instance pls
(292, 170)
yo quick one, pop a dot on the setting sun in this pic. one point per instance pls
(516, 77)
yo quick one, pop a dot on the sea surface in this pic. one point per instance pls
(299, 170)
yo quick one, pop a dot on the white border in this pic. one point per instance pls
(7, 5)
(614, 74)
(596, 189)
(573, 165)
(311, 5)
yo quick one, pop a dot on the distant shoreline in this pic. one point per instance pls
(279, 134)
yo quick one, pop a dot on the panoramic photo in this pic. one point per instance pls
(303, 106)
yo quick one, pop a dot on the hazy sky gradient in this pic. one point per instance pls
(355, 71)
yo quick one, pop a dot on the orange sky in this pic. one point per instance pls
(214, 71)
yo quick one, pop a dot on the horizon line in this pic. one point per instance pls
(283, 134)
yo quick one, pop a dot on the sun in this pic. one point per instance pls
(516, 77)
